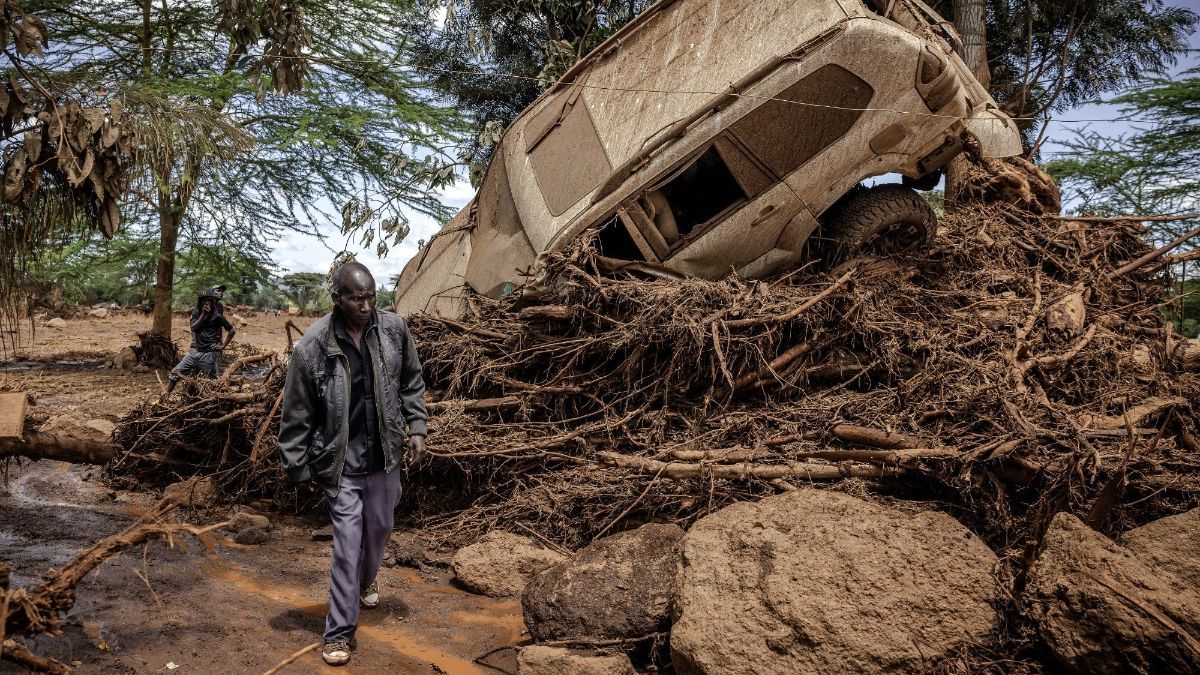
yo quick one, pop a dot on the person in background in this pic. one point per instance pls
(207, 322)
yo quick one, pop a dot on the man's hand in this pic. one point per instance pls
(416, 450)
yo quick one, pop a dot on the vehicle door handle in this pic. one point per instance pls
(763, 215)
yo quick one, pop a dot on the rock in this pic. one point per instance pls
(237, 320)
(126, 359)
(293, 311)
(616, 587)
(1170, 544)
(100, 313)
(815, 581)
(103, 426)
(538, 660)
(323, 533)
(141, 368)
(1100, 609)
(501, 563)
(191, 492)
(251, 535)
(56, 323)
(243, 520)
(70, 426)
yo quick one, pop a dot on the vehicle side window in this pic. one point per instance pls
(784, 133)
(701, 192)
(565, 152)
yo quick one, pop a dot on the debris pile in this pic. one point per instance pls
(223, 429)
(1008, 372)
(1017, 368)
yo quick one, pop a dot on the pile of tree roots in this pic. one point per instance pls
(1018, 367)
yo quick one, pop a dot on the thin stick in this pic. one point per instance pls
(1125, 269)
(629, 508)
(293, 657)
(788, 316)
(1162, 218)
(542, 539)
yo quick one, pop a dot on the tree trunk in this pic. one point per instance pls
(970, 19)
(168, 222)
(36, 445)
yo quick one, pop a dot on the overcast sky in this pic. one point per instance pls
(306, 253)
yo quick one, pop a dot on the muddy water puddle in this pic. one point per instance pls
(213, 608)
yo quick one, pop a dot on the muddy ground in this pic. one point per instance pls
(211, 606)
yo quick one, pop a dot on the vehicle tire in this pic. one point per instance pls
(881, 219)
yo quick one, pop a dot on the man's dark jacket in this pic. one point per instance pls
(316, 400)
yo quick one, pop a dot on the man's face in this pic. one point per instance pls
(356, 302)
(206, 306)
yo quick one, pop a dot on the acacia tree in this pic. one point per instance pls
(266, 115)
(494, 57)
(1151, 170)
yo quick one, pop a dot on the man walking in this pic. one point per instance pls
(208, 318)
(353, 383)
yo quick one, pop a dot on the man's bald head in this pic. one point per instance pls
(350, 277)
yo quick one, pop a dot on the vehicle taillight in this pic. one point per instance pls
(932, 65)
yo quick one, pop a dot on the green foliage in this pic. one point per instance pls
(1152, 170)
(492, 58)
(269, 115)
(122, 270)
(1049, 55)
(307, 290)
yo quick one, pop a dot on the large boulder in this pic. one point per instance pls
(814, 581)
(1170, 544)
(501, 563)
(71, 426)
(1100, 609)
(126, 359)
(537, 660)
(616, 587)
(195, 491)
(56, 323)
(98, 313)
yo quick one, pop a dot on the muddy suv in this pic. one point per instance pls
(710, 137)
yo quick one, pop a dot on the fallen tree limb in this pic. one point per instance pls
(908, 457)
(1161, 218)
(38, 609)
(679, 470)
(244, 361)
(17, 653)
(788, 316)
(877, 438)
(1161, 250)
(781, 361)
(36, 445)
(477, 405)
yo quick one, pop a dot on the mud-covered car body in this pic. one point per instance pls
(708, 136)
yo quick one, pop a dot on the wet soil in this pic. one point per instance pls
(212, 606)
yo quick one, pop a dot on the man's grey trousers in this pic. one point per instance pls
(363, 513)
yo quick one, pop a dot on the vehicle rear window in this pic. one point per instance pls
(565, 151)
(784, 134)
